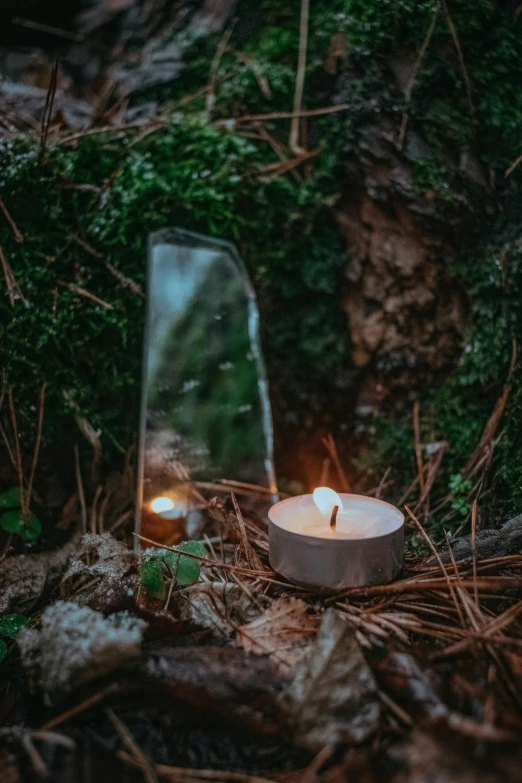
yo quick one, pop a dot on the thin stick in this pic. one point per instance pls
(37, 445)
(418, 451)
(252, 559)
(13, 289)
(48, 109)
(81, 494)
(293, 141)
(17, 452)
(96, 698)
(331, 447)
(414, 74)
(333, 518)
(513, 166)
(220, 51)
(16, 231)
(473, 546)
(83, 292)
(286, 115)
(131, 745)
(456, 41)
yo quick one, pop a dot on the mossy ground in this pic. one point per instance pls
(111, 190)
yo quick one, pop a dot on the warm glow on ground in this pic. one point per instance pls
(162, 504)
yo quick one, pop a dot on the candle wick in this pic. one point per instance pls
(333, 518)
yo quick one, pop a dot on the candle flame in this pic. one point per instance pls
(161, 504)
(326, 499)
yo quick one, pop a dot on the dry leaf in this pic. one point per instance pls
(220, 606)
(333, 696)
(283, 632)
(25, 579)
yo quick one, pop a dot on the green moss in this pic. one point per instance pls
(111, 192)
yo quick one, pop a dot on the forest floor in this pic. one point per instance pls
(191, 667)
(212, 667)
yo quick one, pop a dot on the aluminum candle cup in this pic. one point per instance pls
(365, 547)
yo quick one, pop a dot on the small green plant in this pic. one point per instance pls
(17, 520)
(157, 566)
(10, 626)
(460, 488)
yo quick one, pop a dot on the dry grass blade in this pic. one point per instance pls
(184, 774)
(132, 746)
(473, 545)
(13, 289)
(411, 84)
(418, 448)
(214, 67)
(439, 561)
(48, 109)
(16, 231)
(513, 166)
(83, 292)
(36, 448)
(285, 115)
(293, 141)
(251, 557)
(331, 447)
(463, 68)
(486, 439)
(81, 494)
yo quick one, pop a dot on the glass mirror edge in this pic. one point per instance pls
(179, 236)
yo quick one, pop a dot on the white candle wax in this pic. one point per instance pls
(358, 516)
(364, 547)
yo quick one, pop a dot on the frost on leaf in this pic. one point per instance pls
(333, 696)
(75, 645)
(284, 632)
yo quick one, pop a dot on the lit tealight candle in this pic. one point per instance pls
(331, 541)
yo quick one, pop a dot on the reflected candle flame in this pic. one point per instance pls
(161, 504)
(326, 499)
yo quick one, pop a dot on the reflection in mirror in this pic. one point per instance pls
(205, 408)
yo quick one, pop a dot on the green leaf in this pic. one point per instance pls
(11, 499)
(151, 577)
(189, 570)
(3, 650)
(11, 624)
(27, 526)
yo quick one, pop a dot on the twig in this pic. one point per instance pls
(439, 561)
(473, 545)
(252, 559)
(16, 231)
(37, 446)
(17, 451)
(48, 109)
(96, 698)
(382, 482)
(513, 166)
(285, 115)
(293, 140)
(418, 451)
(216, 60)
(83, 292)
(414, 74)
(331, 447)
(81, 494)
(13, 289)
(456, 41)
(131, 745)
